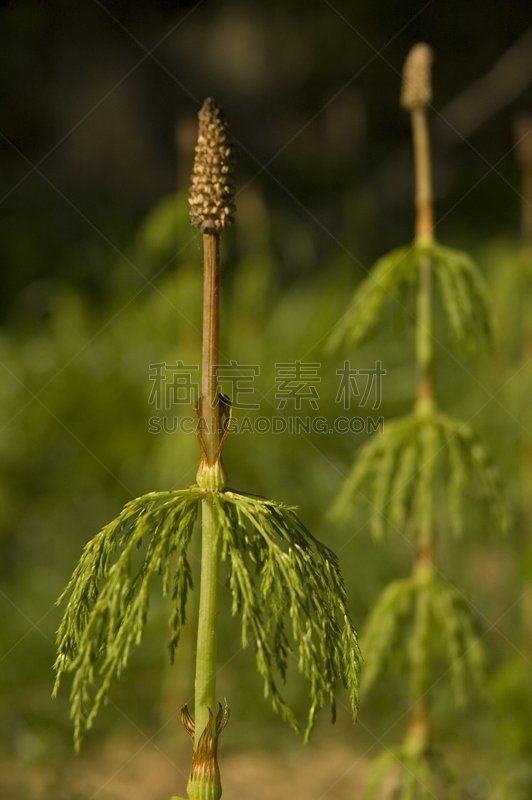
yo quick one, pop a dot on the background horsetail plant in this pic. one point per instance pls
(285, 584)
(416, 473)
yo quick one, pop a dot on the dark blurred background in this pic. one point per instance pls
(100, 277)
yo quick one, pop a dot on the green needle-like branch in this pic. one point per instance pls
(413, 458)
(108, 603)
(285, 584)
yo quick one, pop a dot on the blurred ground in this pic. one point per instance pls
(336, 772)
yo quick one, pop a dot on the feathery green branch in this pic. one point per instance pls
(412, 776)
(400, 469)
(299, 580)
(417, 622)
(279, 574)
(463, 290)
(108, 605)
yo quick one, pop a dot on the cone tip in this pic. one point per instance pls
(416, 89)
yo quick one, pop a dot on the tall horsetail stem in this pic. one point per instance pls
(285, 584)
(402, 469)
(416, 94)
(211, 207)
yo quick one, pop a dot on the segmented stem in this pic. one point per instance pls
(424, 210)
(205, 687)
(418, 730)
(211, 337)
(424, 345)
(424, 234)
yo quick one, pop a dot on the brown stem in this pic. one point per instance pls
(210, 407)
(424, 212)
(424, 233)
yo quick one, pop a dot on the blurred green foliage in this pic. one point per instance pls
(92, 297)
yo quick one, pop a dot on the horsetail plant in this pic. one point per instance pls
(418, 461)
(285, 584)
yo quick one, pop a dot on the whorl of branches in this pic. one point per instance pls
(412, 776)
(397, 474)
(285, 585)
(463, 292)
(423, 622)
